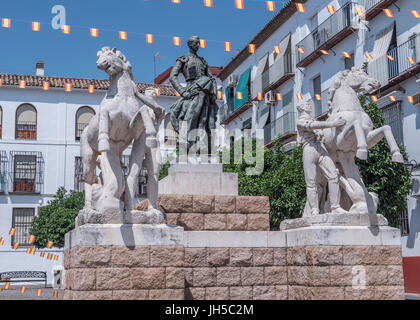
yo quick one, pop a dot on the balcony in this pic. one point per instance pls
(229, 114)
(374, 7)
(330, 32)
(400, 68)
(282, 127)
(26, 130)
(319, 107)
(279, 72)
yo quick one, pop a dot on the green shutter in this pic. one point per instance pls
(227, 93)
(242, 87)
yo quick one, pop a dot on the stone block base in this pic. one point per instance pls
(235, 265)
(218, 213)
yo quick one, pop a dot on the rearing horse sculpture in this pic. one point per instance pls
(120, 122)
(355, 137)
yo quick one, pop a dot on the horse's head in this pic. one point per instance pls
(359, 81)
(112, 61)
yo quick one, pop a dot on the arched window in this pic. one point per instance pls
(170, 134)
(1, 122)
(26, 118)
(83, 116)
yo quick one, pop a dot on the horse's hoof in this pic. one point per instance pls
(397, 157)
(362, 154)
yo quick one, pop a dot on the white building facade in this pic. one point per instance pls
(40, 152)
(271, 82)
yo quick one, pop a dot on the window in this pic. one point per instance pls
(1, 122)
(79, 182)
(142, 182)
(170, 133)
(404, 225)
(28, 170)
(83, 116)
(316, 82)
(393, 118)
(349, 62)
(21, 221)
(3, 171)
(26, 118)
(246, 125)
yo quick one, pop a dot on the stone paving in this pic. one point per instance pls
(30, 294)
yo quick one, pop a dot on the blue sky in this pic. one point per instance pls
(74, 55)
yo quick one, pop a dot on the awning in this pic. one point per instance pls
(283, 47)
(263, 118)
(378, 67)
(242, 87)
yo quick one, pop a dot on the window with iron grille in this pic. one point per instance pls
(27, 172)
(83, 117)
(3, 171)
(79, 182)
(21, 221)
(26, 119)
(142, 182)
(393, 117)
(404, 224)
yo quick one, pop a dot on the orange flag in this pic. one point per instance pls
(91, 88)
(65, 29)
(176, 1)
(68, 87)
(12, 231)
(31, 238)
(123, 35)
(259, 96)
(219, 95)
(176, 41)
(227, 46)
(276, 49)
(388, 13)
(239, 4)
(271, 5)
(22, 84)
(300, 7)
(251, 48)
(208, 3)
(5, 23)
(324, 51)
(346, 54)
(410, 99)
(50, 244)
(301, 50)
(279, 96)
(46, 85)
(239, 95)
(299, 96)
(36, 26)
(331, 9)
(202, 43)
(94, 32)
(149, 38)
(411, 60)
(415, 13)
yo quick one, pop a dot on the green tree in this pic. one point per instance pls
(390, 180)
(283, 181)
(56, 218)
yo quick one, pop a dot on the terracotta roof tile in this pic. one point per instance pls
(77, 83)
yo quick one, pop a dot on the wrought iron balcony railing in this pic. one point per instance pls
(330, 32)
(280, 71)
(26, 130)
(405, 56)
(281, 126)
(79, 129)
(373, 7)
(3, 171)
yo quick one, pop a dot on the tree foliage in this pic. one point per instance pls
(390, 180)
(56, 218)
(283, 180)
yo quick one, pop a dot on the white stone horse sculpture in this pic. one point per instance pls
(120, 122)
(355, 137)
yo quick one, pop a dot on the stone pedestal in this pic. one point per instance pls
(165, 262)
(199, 179)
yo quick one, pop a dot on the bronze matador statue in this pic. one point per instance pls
(197, 107)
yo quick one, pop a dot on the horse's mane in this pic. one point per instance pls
(119, 54)
(335, 85)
